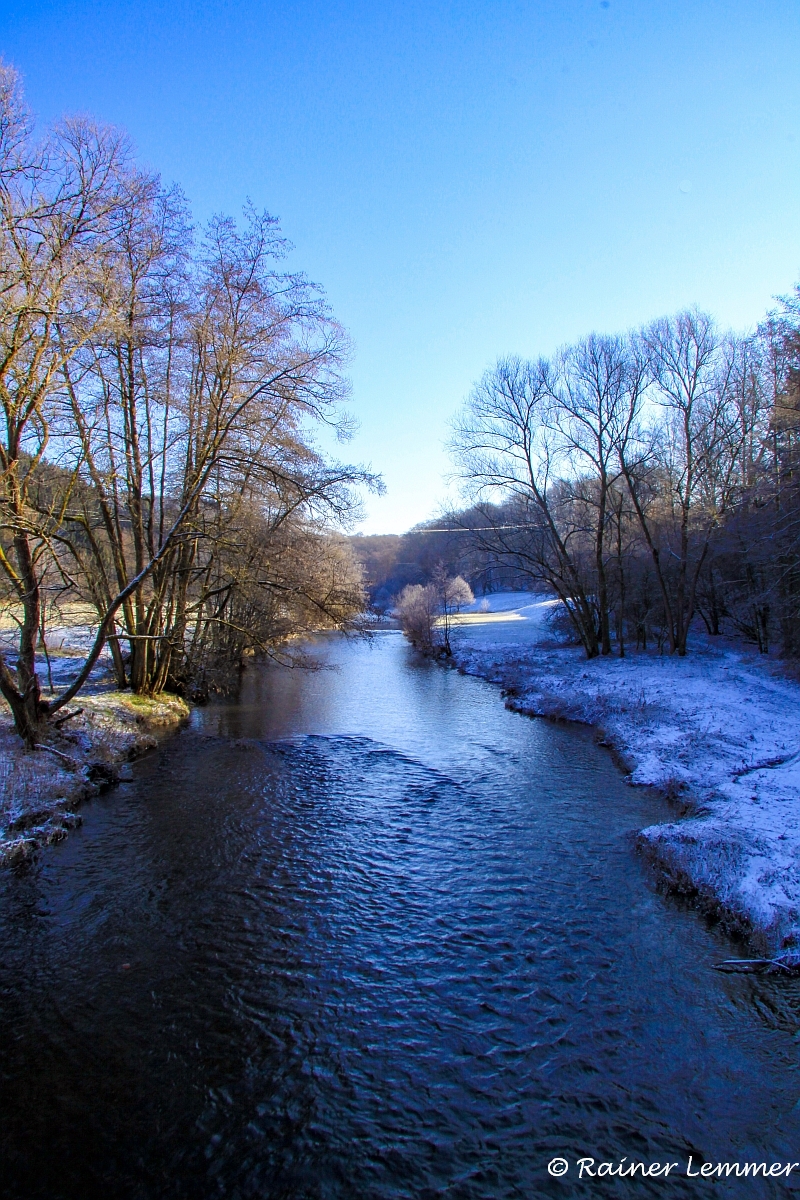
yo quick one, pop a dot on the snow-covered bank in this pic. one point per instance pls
(718, 731)
(39, 790)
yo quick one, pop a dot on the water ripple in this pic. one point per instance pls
(302, 962)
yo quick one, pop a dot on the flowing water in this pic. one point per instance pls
(364, 933)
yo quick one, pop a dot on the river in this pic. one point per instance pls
(362, 932)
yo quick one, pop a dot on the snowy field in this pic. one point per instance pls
(67, 647)
(718, 731)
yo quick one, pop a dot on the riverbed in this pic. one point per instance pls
(363, 932)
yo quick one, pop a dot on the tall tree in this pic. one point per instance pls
(180, 416)
(59, 205)
(508, 445)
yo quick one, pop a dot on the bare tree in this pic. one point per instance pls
(59, 203)
(595, 400)
(508, 446)
(426, 613)
(159, 399)
(691, 386)
(452, 594)
(188, 418)
(417, 610)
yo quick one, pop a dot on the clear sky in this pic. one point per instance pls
(465, 179)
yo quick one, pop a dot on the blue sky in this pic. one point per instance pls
(465, 179)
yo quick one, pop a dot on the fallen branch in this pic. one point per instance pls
(59, 721)
(754, 966)
(50, 750)
(767, 764)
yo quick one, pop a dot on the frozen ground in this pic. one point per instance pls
(718, 731)
(40, 789)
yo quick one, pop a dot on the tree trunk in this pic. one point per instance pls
(119, 665)
(655, 555)
(602, 584)
(27, 708)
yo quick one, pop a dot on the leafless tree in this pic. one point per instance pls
(507, 445)
(60, 200)
(190, 418)
(595, 402)
(426, 613)
(159, 398)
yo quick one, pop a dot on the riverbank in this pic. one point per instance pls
(41, 789)
(84, 753)
(718, 732)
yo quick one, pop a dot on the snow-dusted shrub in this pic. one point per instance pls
(416, 611)
(424, 612)
(561, 625)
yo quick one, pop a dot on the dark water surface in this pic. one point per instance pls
(365, 933)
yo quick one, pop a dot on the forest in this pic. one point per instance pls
(160, 386)
(647, 479)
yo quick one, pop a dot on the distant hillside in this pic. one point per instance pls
(391, 560)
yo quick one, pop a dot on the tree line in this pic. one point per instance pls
(647, 479)
(160, 387)
(390, 561)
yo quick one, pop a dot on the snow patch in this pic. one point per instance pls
(39, 789)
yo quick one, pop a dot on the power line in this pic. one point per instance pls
(466, 529)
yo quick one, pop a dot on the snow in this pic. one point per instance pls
(511, 603)
(39, 790)
(514, 617)
(717, 731)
